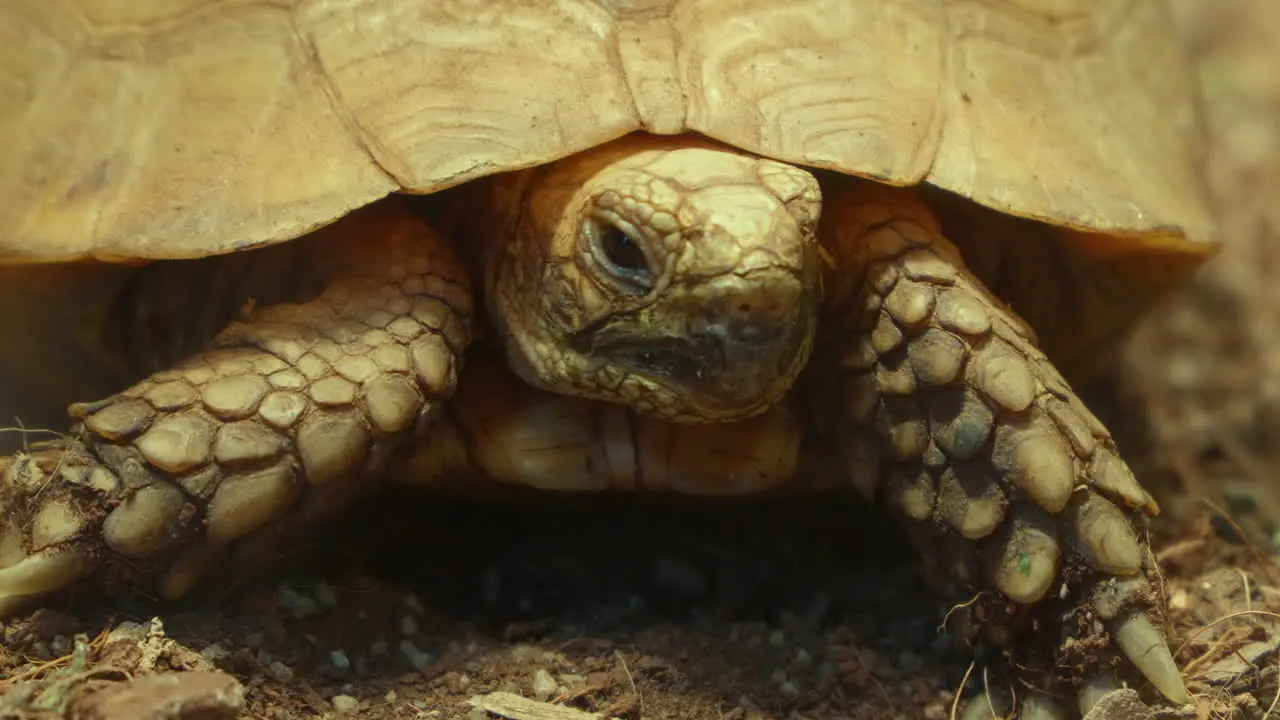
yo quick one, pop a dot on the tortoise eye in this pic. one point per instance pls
(621, 256)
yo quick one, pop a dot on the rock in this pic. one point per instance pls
(1120, 705)
(544, 686)
(345, 704)
(279, 671)
(198, 695)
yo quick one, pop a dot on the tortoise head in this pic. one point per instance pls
(674, 276)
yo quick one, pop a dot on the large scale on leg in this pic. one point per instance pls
(650, 298)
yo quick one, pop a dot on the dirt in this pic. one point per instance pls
(794, 610)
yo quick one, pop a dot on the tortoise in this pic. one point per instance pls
(701, 247)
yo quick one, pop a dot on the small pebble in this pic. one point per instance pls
(339, 660)
(777, 638)
(378, 648)
(544, 686)
(412, 602)
(132, 631)
(803, 657)
(297, 603)
(61, 645)
(525, 653)
(213, 653)
(280, 671)
(416, 657)
(254, 640)
(390, 696)
(345, 704)
(936, 711)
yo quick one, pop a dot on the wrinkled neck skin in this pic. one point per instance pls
(669, 274)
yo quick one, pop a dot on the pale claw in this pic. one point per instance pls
(42, 573)
(1143, 643)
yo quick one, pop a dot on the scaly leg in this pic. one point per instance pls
(290, 415)
(948, 412)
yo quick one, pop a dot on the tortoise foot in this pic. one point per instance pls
(53, 502)
(291, 415)
(1012, 489)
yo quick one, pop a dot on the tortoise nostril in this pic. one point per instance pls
(744, 308)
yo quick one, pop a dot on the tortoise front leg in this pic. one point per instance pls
(293, 413)
(948, 412)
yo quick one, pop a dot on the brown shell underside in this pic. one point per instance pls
(174, 128)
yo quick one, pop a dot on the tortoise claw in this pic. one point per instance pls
(1144, 645)
(1120, 603)
(43, 572)
(52, 511)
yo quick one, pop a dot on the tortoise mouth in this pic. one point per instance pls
(679, 360)
(721, 372)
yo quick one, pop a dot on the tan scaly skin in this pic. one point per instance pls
(663, 301)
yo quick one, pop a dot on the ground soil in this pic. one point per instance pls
(787, 611)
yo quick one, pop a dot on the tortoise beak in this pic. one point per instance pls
(730, 356)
